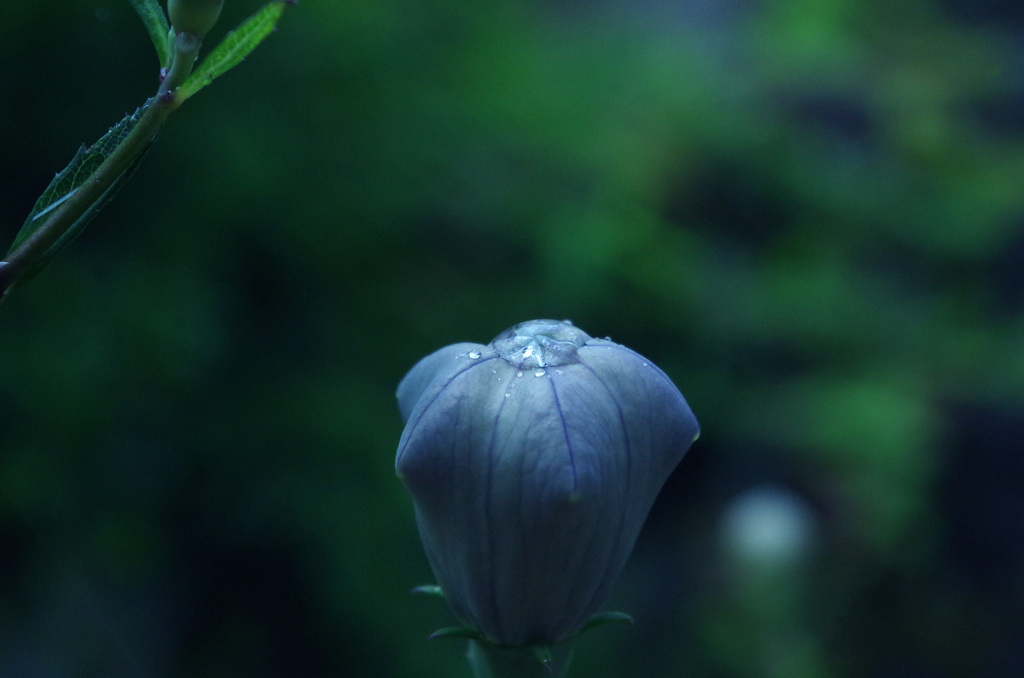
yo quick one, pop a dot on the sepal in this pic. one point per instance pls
(602, 618)
(456, 632)
(429, 589)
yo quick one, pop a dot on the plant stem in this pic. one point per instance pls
(491, 661)
(128, 152)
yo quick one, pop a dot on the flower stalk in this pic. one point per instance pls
(127, 153)
(491, 661)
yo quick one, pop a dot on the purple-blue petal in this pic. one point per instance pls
(531, 480)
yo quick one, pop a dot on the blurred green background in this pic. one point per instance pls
(809, 213)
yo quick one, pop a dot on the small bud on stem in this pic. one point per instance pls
(194, 16)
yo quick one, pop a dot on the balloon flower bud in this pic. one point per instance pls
(532, 463)
(194, 16)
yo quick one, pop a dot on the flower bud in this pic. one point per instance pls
(532, 463)
(194, 16)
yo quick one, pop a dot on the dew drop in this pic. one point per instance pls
(519, 374)
(539, 373)
(473, 355)
(508, 394)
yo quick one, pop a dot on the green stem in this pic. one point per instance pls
(490, 661)
(186, 48)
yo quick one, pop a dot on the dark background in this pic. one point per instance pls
(809, 213)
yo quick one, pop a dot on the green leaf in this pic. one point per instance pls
(156, 23)
(233, 49)
(67, 181)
